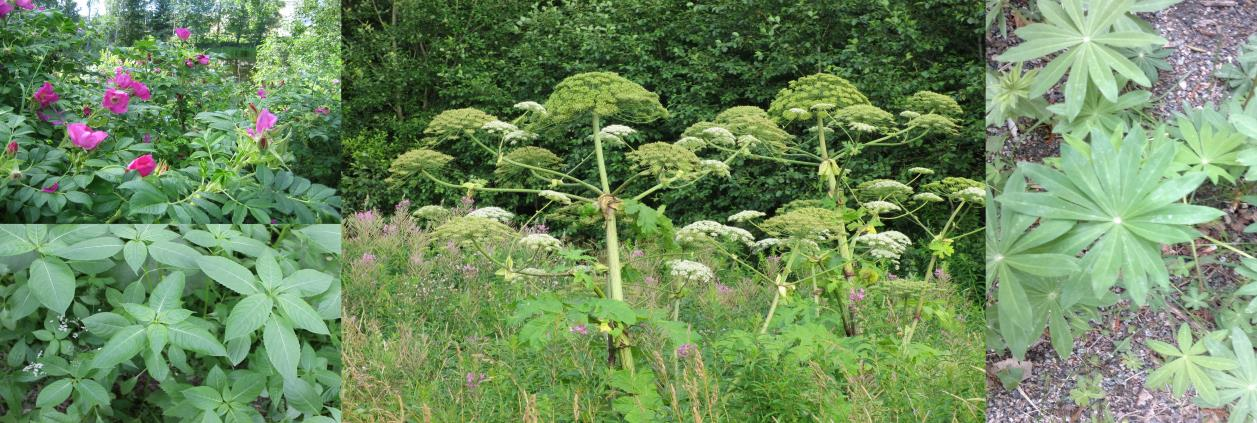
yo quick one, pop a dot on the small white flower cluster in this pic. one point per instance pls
(746, 215)
(618, 131)
(531, 106)
(765, 244)
(519, 135)
(747, 140)
(35, 369)
(705, 230)
(720, 135)
(921, 171)
(797, 111)
(909, 114)
(822, 106)
(499, 127)
(691, 143)
(555, 196)
(880, 207)
(971, 195)
(927, 197)
(716, 166)
(888, 245)
(495, 213)
(690, 271)
(862, 127)
(540, 242)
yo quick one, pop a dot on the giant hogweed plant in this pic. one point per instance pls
(156, 323)
(125, 136)
(594, 99)
(828, 102)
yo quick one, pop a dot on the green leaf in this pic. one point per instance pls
(105, 324)
(302, 396)
(248, 315)
(55, 393)
(282, 347)
(92, 249)
(52, 282)
(166, 296)
(193, 338)
(122, 346)
(268, 270)
(229, 273)
(307, 282)
(135, 253)
(326, 237)
(174, 254)
(301, 314)
(203, 397)
(93, 391)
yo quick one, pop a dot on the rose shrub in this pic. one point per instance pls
(78, 117)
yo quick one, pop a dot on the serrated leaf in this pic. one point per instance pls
(282, 348)
(52, 282)
(229, 274)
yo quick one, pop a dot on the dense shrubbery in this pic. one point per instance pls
(151, 323)
(155, 131)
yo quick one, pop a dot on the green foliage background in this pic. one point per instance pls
(407, 60)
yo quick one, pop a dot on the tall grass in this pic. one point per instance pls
(427, 338)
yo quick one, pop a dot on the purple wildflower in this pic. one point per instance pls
(856, 295)
(637, 253)
(367, 258)
(474, 380)
(579, 329)
(723, 289)
(685, 350)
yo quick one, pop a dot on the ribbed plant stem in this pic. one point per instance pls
(831, 180)
(615, 283)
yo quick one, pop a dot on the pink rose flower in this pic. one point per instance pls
(183, 33)
(25, 4)
(202, 59)
(143, 164)
(261, 93)
(265, 121)
(5, 8)
(52, 188)
(83, 136)
(11, 149)
(46, 96)
(115, 101)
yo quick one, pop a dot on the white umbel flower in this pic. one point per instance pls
(499, 127)
(720, 135)
(862, 127)
(716, 166)
(691, 143)
(519, 135)
(707, 230)
(555, 196)
(531, 106)
(618, 131)
(880, 207)
(973, 195)
(690, 271)
(747, 140)
(540, 242)
(921, 171)
(765, 244)
(746, 215)
(495, 213)
(888, 245)
(928, 197)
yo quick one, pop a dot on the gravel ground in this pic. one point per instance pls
(1202, 34)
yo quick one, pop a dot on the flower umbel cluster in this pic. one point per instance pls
(690, 271)
(888, 245)
(709, 231)
(540, 242)
(495, 213)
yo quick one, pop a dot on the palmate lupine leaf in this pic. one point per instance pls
(1015, 258)
(1239, 385)
(1213, 150)
(1090, 49)
(1188, 366)
(1122, 202)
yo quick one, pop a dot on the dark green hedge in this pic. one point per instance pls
(408, 61)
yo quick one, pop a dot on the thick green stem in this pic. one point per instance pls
(615, 283)
(929, 275)
(831, 180)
